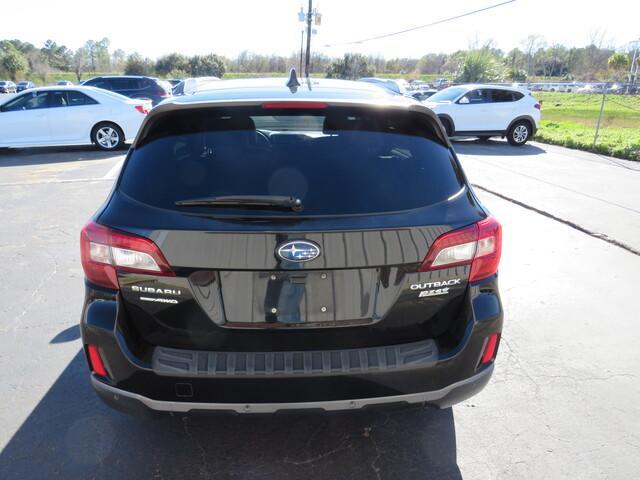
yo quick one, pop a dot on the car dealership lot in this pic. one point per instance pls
(563, 402)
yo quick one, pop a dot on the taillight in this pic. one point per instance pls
(105, 251)
(142, 109)
(162, 91)
(95, 361)
(294, 105)
(490, 348)
(479, 245)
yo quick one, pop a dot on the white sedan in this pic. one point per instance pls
(73, 115)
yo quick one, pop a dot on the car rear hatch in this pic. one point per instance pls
(288, 227)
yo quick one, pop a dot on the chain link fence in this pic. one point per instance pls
(606, 123)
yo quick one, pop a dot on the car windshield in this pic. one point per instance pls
(448, 94)
(338, 160)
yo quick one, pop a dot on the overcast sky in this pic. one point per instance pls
(157, 27)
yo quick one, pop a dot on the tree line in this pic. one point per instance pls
(484, 63)
(20, 60)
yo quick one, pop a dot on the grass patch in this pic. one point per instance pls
(569, 119)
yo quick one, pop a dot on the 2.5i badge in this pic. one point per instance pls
(433, 293)
(432, 289)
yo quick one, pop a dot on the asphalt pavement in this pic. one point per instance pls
(597, 193)
(564, 401)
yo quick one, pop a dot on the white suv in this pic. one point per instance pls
(486, 111)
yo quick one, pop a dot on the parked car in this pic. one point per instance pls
(419, 85)
(24, 85)
(174, 81)
(191, 85)
(7, 86)
(486, 111)
(591, 88)
(133, 86)
(267, 248)
(615, 89)
(400, 87)
(422, 95)
(64, 83)
(48, 116)
(550, 87)
(441, 83)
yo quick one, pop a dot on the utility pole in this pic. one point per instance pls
(633, 68)
(301, 48)
(595, 136)
(310, 16)
(308, 52)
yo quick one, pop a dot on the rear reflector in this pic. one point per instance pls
(294, 105)
(142, 109)
(479, 245)
(95, 361)
(105, 251)
(490, 348)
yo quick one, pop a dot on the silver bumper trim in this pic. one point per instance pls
(333, 405)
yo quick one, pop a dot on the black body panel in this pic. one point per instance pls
(231, 319)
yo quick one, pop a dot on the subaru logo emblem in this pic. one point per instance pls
(298, 251)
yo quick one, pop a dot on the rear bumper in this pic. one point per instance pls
(174, 380)
(133, 403)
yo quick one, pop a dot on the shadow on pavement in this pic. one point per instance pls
(494, 147)
(67, 335)
(71, 434)
(44, 155)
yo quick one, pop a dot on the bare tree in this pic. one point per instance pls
(531, 45)
(39, 66)
(80, 62)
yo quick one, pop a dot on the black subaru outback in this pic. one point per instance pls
(270, 247)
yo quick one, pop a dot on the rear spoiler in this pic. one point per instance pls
(177, 105)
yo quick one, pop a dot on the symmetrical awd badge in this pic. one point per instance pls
(298, 251)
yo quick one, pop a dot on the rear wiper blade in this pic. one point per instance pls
(259, 201)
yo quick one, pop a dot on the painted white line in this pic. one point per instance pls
(111, 174)
(49, 182)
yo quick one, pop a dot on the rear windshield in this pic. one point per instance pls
(336, 160)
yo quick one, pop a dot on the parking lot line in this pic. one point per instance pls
(55, 180)
(111, 174)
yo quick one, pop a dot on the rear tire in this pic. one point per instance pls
(448, 128)
(519, 133)
(107, 136)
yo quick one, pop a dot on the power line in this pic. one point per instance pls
(421, 26)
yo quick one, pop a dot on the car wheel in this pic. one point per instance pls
(519, 133)
(447, 126)
(107, 136)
